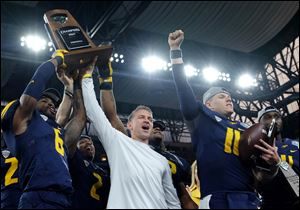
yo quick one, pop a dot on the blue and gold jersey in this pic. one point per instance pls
(215, 140)
(10, 188)
(277, 193)
(40, 150)
(91, 184)
(288, 151)
(180, 169)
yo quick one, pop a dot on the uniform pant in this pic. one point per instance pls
(10, 198)
(231, 200)
(44, 200)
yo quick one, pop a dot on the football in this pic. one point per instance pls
(251, 136)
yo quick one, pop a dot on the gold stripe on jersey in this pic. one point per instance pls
(228, 140)
(6, 108)
(237, 136)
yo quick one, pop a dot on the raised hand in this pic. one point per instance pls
(105, 76)
(59, 56)
(175, 39)
(269, 153)
(61, 75)
(88, 71)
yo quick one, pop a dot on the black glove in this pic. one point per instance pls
(105, 76)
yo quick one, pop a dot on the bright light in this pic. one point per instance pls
(121, 56)
(49, 44)
(50, 49)
(117, 60)
(190, 71)
(34, 42)
(169, 64)
(22, 44)
(210, 74)
(116, 55)
(153, 63)
(246, 81)
(122, 61)
(111, 59)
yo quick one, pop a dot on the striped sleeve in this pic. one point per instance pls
(7, 115)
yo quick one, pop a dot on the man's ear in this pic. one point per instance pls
(129, 125)
(209, 105)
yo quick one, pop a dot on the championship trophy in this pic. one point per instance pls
(65, 33)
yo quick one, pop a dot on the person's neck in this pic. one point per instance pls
(145, 140)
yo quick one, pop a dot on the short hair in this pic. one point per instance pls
(83, 136)
(137, 109)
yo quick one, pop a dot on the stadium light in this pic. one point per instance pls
(246, 81)
(190, 70)
(33, 42)
(153, 63)
(210, 74)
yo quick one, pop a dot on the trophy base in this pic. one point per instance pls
(77, 59)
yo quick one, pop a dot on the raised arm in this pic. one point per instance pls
(64, 109)
(107, 99)
(78, 120)
(187, 100)
(33, 92)
(105, 132)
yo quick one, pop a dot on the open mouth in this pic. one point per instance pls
(89, 149)
(146, 127)
(52, 110)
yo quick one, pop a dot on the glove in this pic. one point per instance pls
(60, 57)
(105, 76)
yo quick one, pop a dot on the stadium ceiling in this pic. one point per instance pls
(228, 33)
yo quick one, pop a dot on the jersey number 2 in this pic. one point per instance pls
(96, 186)
(10, 172)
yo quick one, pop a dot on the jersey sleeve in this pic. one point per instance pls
(7, 115)
(107, 135)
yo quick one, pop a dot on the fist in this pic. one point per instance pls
(175, 39)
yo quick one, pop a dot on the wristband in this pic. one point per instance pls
(68, 93)
(175, 54)
(88, 75)
(106, 84)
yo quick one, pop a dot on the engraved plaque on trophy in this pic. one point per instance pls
(65, 33)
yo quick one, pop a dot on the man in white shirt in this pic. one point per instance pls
(140, 177)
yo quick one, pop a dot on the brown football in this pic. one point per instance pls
(251, 136)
